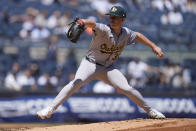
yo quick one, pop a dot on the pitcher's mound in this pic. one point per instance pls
(129, 125)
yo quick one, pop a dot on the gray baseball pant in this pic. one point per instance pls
(87, 72)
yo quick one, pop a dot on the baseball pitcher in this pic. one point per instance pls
(107, 44)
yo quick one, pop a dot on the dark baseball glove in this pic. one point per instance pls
(75, 29)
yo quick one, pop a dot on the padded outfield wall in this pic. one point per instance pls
(90, 108)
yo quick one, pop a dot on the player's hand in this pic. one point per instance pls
(157, 50)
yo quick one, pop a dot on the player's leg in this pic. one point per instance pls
(116, 79)
(84, 74)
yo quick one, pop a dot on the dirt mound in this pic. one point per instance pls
(129, 125)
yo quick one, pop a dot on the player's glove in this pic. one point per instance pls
(75, 29)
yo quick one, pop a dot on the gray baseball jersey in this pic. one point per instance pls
(106, 46)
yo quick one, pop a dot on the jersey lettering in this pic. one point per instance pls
(113, 49)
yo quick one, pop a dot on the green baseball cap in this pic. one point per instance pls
(117, 11)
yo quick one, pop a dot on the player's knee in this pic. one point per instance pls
(77, 82)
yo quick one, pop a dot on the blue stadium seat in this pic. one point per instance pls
(158, 62)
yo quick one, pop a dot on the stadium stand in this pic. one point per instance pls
(18, 44)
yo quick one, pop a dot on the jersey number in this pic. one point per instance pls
(116, 55)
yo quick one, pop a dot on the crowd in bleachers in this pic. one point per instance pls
(167, 22)
(46, 75)
(27, 24)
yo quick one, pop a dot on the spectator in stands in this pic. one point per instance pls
(168, 72)
(41, 18)
(175, 17)
(34, 69)
(181, 79)
(102, 87)
(54, 80)
(40, 33)
(65, 19)
(165, 18)
(137, 72)
(159, 4)
(190, 6)
(28, 16)
(44, 81)
(63, 22)
(11, 82)
(47, 2)
(25, 33)
(53, 20)
(26, 80)
(181, 4)
(28, 20)
(47, 82)
(163, 5)
(103, 6)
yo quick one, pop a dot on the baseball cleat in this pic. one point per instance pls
(154, 114)
(45, 113)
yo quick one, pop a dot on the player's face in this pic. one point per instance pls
(116, 22)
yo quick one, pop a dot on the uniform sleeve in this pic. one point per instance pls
(132, 35)
(99, 29)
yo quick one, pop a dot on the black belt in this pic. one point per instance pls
(87, 58)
